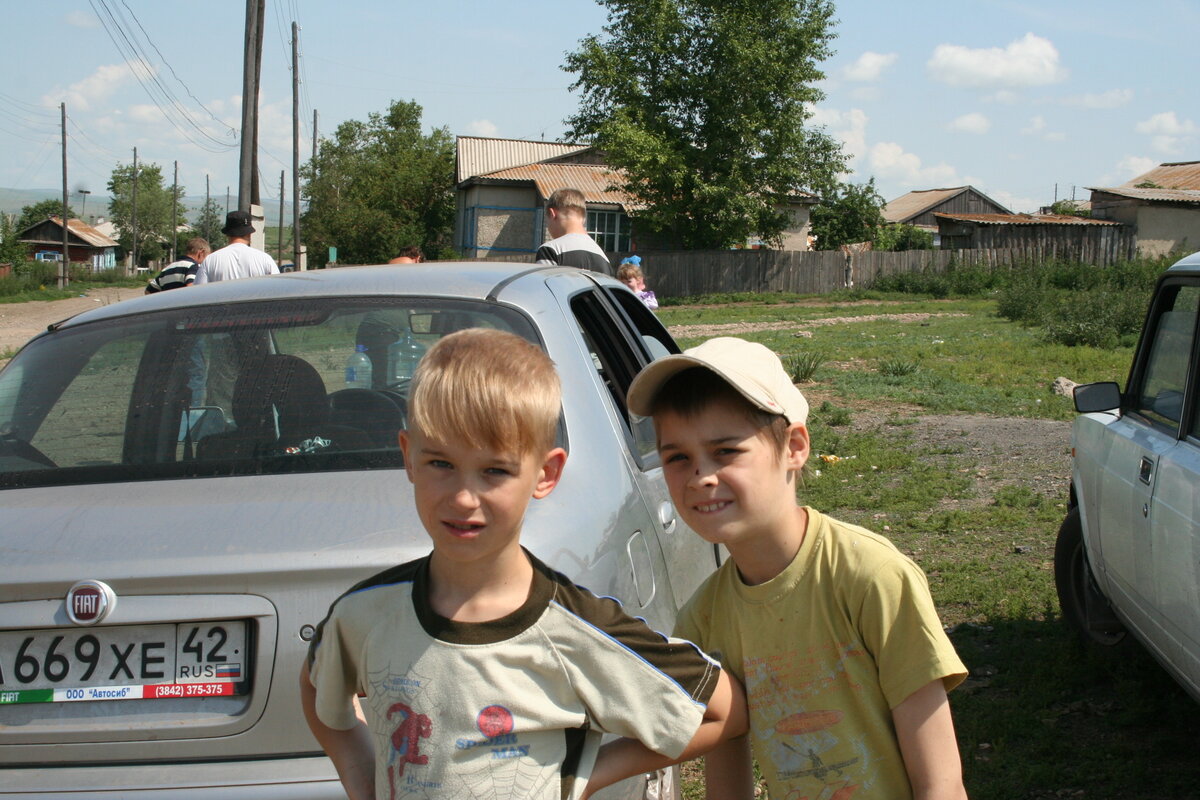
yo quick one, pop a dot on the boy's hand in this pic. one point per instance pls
(349, 750)
(925, 731)
(725, 717)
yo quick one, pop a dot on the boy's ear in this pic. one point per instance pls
(549, 472)
(796, 449)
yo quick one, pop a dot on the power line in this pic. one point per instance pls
(141, 66)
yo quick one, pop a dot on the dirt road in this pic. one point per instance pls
(21, 321)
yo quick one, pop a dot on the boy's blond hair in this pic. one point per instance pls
(627, 271)
(487, 388)
(568, 200)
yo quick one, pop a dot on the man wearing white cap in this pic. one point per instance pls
(830, 628)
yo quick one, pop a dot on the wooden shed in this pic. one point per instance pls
(85, 244)
(1053, 235)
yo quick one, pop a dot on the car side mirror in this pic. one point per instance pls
(1093, 397)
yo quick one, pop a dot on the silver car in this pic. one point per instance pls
(188, 479)
(1128, 554)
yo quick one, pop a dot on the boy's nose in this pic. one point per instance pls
(704, 475)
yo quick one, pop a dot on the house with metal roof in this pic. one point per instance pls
(921, 206)
(503, 186)
(1049, 235)
(85, 244)
(1162, 206)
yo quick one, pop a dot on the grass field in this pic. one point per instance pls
(942, 432)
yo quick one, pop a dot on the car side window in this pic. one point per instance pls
(623, 336)
(1159, 389)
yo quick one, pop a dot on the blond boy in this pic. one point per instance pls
(830, 628)
(481, 671)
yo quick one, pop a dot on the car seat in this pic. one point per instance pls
(280, 407)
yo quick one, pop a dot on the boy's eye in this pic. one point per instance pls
(498, 471)
(439, 463)
(674, 458)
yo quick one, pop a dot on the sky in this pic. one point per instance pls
(1026, 101)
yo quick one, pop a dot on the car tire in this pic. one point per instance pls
(1084, 608)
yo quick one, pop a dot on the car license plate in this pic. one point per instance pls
(143, 662)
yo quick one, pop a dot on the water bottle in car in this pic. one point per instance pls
(358, 369)
(403, 356)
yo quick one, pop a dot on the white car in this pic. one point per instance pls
(1128, 554)
(189, 479)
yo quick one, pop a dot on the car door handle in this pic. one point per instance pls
(1145, 470)
(666, 517)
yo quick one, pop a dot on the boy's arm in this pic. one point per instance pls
(350, 750)
(728, 772)
(724, 717)
(925, 731)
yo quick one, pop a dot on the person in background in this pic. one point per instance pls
(630, 274)
(409, 255)
(570, 245)
(181, 273)
(236, 259)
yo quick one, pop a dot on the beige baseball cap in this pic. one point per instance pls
(752, 369)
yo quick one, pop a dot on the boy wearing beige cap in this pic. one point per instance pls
(830, 628)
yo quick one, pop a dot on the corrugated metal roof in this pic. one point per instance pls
(1024, 219)
(477, 155)
(594, 180)
(1172, 175)
(79, 228)
(915, 203)
(1177, 195)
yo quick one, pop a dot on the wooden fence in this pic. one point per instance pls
(672, 273)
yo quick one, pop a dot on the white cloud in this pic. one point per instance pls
(1028, 61)
(848, 126)
(890, 162)
(1168, 134)
(1113, 98)
(869, 66)
(82, 19)
(974, 122)
(1132, 166)
(1014, 203)
(95, 88)
(481, 127)
(866, 94)
(1037, 127)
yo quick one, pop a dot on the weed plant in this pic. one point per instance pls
(802, 366)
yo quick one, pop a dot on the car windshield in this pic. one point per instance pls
(239, 389)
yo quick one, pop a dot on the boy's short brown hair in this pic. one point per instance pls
(694, 390)
(487, 388)
(568, 200)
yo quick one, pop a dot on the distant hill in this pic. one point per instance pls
(13, 200)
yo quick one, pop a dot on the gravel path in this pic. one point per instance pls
(21, 321)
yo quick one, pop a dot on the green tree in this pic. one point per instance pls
(1070, 208)
(903, 237)
(209, 222)
(379, 186)
(41, 210)
(848, 214)
(12, 251)
(704, 104)
(155, 226)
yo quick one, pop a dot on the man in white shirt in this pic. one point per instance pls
(236, 259)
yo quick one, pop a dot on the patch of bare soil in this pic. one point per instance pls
(738, 328)
(19, 322)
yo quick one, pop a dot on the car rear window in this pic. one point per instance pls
(253, 388)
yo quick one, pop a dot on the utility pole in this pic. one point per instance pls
(174, 213)
(83, 205)
(295, 147)
(314, 149)
(251, 69)
(64, 275)
(280, 219)
(133, 213)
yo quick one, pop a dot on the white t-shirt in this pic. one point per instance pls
(236, 260)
